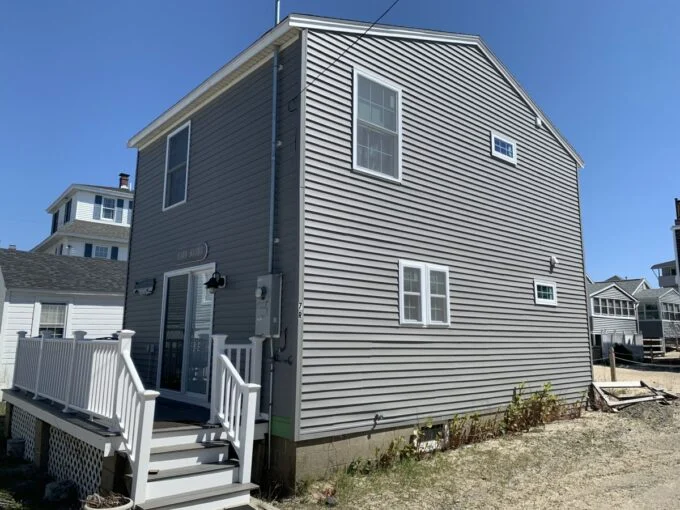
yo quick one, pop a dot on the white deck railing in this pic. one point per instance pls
(98, 378)
(247, 360)
(233, 405)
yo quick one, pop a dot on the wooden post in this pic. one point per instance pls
(124, 346)
(612, 362)
(256, 366)
(247, 430)
(17, 357)
(219, 346)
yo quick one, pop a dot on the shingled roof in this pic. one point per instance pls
(93, 229)
(28, 270)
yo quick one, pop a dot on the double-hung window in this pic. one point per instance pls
(377, 126)
(52, 320)
(545, 293)
(423, 294)
(177, 167)
(503, 147)
(108, 208)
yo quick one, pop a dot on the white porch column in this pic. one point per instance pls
(219, 346)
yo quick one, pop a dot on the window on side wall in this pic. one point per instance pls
(176, 167)
(545, 293)
(503, 147)
(52, 320)
(101, 252)
(108, 208)
(423, 294)
(377, 126)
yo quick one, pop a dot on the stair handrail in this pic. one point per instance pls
(233, 404)
(134, 413)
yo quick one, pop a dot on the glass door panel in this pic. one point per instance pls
(174, 332)
(197, 368)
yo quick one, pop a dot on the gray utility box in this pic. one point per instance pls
(268, 306)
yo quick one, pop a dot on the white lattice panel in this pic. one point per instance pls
(23, 426)
(72, 459)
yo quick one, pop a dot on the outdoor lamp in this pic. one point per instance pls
(217, 281)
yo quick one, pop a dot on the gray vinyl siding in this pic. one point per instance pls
(661, 328)
(671, 329)
(227, 207)
(493, 224)
(608, 324)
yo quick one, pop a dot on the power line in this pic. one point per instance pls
(349, 47)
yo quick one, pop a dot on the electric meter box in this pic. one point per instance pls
(268, 306)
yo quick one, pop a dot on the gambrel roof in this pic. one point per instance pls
(285, 33)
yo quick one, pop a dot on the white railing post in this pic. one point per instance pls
(124, 346)
(247, 430)
(77, 336)
(219, 346)
(256, 366)
(143, 446)
(21, 335)
(37, 371)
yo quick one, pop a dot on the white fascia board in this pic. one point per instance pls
(632, 298)
(242, 58)
(121, 193)
(68, 292)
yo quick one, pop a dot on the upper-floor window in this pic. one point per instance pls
(55, 222)
(109, 208)
(649, 312)
(671, 312)
(503, 147)
(101, 252)
(668, 271)
(423, 294)
(52, 320)
(177, 167)
(545, 293)
(67, 211)
(614, 307)
(377, 126)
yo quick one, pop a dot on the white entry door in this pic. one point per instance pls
(185, 338)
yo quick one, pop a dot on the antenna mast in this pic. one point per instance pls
(277, 12)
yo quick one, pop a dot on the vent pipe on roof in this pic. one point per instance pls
(277, 12)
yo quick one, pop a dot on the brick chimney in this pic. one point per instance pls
(124, 180)
(12, 247)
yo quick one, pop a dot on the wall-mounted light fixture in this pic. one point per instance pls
(217, 281)
(554, 261)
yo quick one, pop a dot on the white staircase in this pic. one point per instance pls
(194, 467)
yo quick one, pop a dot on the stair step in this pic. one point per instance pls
(169, 482)
(186, 435)
(227, 496)
(188, 447)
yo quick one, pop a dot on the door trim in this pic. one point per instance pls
(178, 395)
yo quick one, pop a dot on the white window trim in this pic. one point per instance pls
(625, 317)
(167, 153)
(500, 155)
(425, 301)
(355, 119)
(101, 214)
(545, 302)
(94, 251)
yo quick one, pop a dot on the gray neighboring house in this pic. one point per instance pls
(47, 294)
(659, 313)
(425, 220)
(668, 272)
(612, 311)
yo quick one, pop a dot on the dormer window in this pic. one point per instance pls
(503, 147)
(109, 209)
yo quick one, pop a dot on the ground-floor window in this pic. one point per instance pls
(52, 320)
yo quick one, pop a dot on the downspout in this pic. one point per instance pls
(272, 203)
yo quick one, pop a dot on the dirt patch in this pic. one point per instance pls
(653, 414)
(626, 460)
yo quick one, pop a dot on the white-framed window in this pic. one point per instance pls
(503, 147)
(545, 293)
(108, 208)
(423, 294)
(613, 307)
(176, 167)
(52, 320)
(377, 126)
(101, 252)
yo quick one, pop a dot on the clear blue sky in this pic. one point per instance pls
(78, 78)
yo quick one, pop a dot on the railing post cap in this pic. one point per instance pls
(79, 334)
(220, 337)
(126, 332)
(22, 334)
(256, 339)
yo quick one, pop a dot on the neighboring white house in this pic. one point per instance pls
(44, 293)
(91, 221)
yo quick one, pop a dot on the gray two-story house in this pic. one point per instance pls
(418, 211)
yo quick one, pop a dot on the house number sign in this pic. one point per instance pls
(193, 253)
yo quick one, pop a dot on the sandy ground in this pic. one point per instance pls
(667, 380)
(629, 460)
